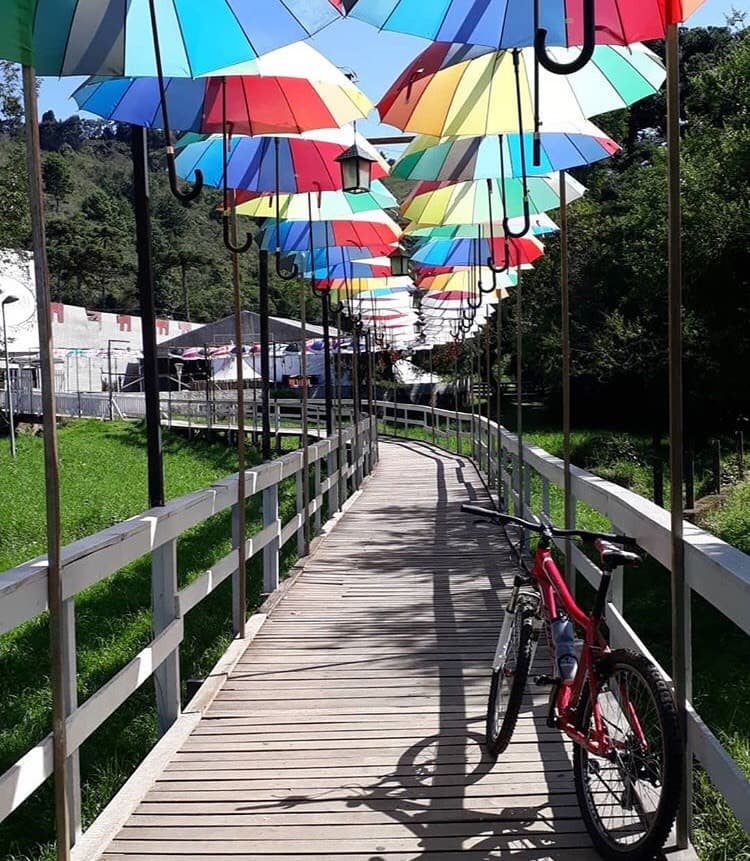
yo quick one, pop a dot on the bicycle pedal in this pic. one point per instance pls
(544, 681)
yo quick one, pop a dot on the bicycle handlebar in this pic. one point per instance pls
(584, 534)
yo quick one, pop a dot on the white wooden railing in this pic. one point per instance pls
(347, 456)
(715, 570)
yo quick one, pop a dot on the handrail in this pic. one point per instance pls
(715, 570)
(23, 589)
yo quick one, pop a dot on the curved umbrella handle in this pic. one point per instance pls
(589, 43)
(512, 234)
(235, 249)
(193, 193)
(287, 276)
(183, 196)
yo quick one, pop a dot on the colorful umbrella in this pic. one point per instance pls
(474, 252)
(291, 164)
(510, 23)
(461, 281)
(327, 206)
(468, 158)
(541, 225)
(479, 96)
(293, 90)
(83, 37)
(434, 203)
(295, 235)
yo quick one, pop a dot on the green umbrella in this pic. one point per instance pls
(15, 32)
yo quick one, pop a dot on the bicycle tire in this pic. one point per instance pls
(517, 661)
(640, 767)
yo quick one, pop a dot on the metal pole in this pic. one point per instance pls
(339, 417)
(63, 819)
(109, 376)
(488, 364)
(519, 389)
(241, 478)
(355, 399)
(305, 420)
(499, 414)
(681, 671)
(327, 359)
(265, 370)
(142, 207)
(7, 380)
(432, 397)
(566, 416)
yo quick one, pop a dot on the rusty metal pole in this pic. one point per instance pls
(305, 419)
(63, 818)
(241, 441)
(566, 417)
(519, 391)
(682, 671)
(499, 412)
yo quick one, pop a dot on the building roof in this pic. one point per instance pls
(221, 332)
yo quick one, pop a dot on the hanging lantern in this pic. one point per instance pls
(400, 263)
(356, 169)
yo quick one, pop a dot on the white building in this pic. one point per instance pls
(89, 345)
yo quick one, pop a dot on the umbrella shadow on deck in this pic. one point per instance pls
(444, 790)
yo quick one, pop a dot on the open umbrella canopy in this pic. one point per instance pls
(293, 90)
(468, 252)
(467, 158)
(295, 235)
(305, 162)
(113, 37)
(477, 96)
(434, 203)
(374, 289)
(461, 281)
(541, 225)
(327, 206)
(377, 267)
(510, 23)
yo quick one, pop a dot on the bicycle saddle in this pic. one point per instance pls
(613, 556)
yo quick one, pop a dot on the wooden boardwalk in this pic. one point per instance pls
(351, 729)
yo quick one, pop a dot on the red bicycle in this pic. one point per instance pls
(613, 704)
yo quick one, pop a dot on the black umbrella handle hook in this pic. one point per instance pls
(587, 52)
(193, 193)
(293, 273)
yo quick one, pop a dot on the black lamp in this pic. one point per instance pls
(356, 169)
(400, 263)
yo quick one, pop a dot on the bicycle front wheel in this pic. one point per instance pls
(629, 800)
(510, 670)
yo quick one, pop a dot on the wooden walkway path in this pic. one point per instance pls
(351, 729)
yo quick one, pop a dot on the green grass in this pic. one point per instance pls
(103, 481)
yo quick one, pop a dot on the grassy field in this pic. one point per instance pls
(103, 481)
(721, 676)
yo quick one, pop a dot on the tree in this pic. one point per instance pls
(58, 178)
(11, 98)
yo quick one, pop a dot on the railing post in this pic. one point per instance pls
(236, 609)
(333, 486)
(318, 501)
(545, 495)
(271, 550)
(300, 478)
(70, 697)
(165, 606)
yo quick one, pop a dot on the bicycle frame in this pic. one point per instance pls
(566, 697)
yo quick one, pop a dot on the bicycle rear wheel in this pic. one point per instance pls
(509, 673)
(629, 801)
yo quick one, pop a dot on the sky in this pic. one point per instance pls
(376, 58)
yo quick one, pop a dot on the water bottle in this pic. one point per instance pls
(563, 636)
